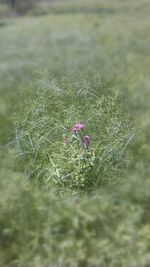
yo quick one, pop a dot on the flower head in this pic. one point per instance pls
(86, 141)
(77, 127)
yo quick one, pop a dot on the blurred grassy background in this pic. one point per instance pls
(76, 41)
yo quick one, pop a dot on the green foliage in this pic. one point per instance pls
(22, 6)
(73, 231)
(4, 11)
(109, 227)
(43, 129)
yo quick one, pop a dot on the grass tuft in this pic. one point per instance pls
(41, 133)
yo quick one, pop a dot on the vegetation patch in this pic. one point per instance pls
(74, 176)
(74, 138)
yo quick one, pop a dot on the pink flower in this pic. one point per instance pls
(86, 141)
(77, 127)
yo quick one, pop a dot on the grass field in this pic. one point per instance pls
(61, 64)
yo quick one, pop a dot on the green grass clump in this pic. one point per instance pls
(41, 134)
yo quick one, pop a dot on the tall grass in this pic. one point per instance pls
(46, 123)
(47, 70)
(108, 229)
